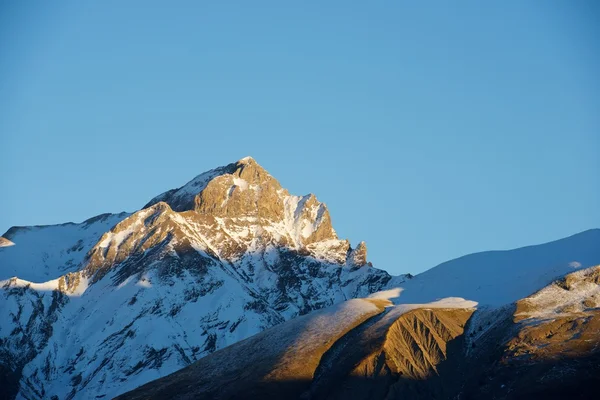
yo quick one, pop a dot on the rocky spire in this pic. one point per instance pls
(358, 257)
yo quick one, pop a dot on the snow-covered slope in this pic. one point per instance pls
(96, 310)
(501, 277)
(289, 352)
(412, 339)
(576, 293)
(545, 346)
(282, 362)
(43, 253)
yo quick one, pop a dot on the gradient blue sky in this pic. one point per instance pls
(431, 129)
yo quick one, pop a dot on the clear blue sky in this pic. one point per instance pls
(430, 131)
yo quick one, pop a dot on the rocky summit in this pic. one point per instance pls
(98, 308)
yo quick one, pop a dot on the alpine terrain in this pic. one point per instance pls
(95, 309)
(543, 346)
(229, 287)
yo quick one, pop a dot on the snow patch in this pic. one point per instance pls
(386, 294)
(241, 183)
(144, 282)
(566, 297)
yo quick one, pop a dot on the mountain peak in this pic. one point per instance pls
(208, 264)
(246, 159)
(245, 190)
(183, 198)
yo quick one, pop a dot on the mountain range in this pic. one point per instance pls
(231, 287)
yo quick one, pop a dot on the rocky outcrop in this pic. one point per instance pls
(548, 348)
(183, 198)
(245, 190)
(358, 257)
(577, 292)
(249, 191)
(4, 242)
(400, 355)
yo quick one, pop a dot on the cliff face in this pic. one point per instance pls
(404, 354)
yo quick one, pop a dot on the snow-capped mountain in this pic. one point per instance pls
(95, 309)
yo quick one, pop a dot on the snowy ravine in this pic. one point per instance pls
(95, 309)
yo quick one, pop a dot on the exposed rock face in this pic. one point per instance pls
(550, 347)
(4, 242)
(183, 198)
(245, 190)
(358, 257)
(577, 292)
(400, 355)
(201, 267)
